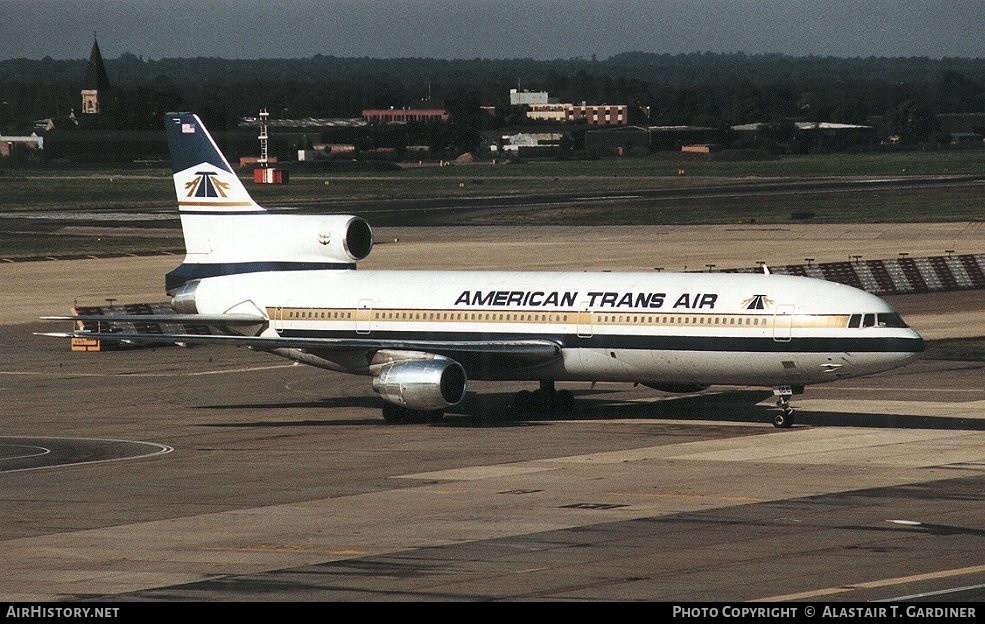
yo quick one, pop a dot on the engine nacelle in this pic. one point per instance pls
(228, 244)
(345, 237)
(421, 384)
(183, 299)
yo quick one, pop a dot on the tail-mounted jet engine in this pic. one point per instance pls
(350, 238)
(249, 242)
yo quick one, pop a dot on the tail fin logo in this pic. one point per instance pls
(206, 184)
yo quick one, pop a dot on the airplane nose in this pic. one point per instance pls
(917, 342)
(919, 347)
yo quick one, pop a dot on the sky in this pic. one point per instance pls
(494, 29)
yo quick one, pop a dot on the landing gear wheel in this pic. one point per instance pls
(564, 403)
(523, 402)
(783, 420)
(394, 414)
(544, 402)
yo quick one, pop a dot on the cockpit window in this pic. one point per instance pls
(876, 320)
(891, 320)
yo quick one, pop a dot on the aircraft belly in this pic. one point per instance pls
(666, 366)
(710, 367)
(856, 364)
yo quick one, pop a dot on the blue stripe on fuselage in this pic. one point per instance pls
(192, 271)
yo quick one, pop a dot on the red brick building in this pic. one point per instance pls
(600, 115)
(404, 115)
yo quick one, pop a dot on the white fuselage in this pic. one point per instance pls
(701, 328)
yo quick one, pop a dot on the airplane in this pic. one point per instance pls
(287, 284)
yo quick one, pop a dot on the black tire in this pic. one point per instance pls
(394, 414)
(564, 403)
(523, 403)
(783, 420)
(543, 403)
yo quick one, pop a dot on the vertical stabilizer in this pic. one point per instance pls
(203, 179)
(227, 233)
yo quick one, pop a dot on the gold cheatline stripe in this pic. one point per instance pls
(662, 319)
(188, 203)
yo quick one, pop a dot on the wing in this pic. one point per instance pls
(528, 352)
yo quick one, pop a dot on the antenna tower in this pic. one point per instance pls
(263, 137)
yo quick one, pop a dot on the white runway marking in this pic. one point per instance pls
(43, 451)
(887, 582)
(161, 449)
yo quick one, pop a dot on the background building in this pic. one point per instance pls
(404, 115)
(520, 98)
(95, 86)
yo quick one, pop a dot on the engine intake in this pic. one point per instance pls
(345, 237)
(422, 384)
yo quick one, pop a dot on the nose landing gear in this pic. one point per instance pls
(784, 419)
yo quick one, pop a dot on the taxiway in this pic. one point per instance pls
(220, 474)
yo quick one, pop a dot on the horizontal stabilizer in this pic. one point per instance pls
(201, 319)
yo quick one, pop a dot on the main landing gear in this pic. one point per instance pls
(784, 419)
(543, 402)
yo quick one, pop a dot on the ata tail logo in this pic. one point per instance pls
(207, 184)
(758, 302)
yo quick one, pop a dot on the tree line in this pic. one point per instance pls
(704, 89)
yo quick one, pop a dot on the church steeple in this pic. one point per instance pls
(95, 85)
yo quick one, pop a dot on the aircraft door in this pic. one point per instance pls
(275, 318)
(584, 323)
(278, 315)
(783, 322)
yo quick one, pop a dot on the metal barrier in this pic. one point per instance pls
(894, 277)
